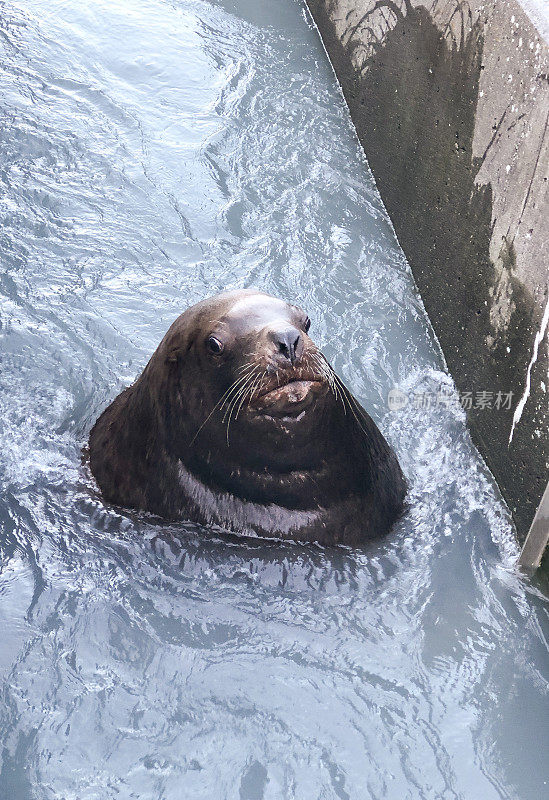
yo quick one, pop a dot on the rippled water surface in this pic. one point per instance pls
(153, 152)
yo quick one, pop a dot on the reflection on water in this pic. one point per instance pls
(153, 153)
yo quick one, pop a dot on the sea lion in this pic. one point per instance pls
(239, 421)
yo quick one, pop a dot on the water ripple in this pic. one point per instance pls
(152, 153)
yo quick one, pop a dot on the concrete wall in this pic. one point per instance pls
(451, 104)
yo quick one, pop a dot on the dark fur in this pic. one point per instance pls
(329, 476)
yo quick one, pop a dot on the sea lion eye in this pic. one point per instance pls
(214, 345)
(307, 325)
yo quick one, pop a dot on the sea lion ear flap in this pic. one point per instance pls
(176, 352)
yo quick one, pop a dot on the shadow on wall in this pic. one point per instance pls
(412, 90)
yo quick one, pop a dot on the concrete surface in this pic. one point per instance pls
(538, 536)
(451, 104)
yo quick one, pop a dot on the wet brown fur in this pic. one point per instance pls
(163, 446)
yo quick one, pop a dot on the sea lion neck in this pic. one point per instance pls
(259, 441)
(294, 471)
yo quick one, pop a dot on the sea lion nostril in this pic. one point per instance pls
(289, 343)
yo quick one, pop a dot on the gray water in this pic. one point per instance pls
(152, 153)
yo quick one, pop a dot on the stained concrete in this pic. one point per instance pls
(451, 105)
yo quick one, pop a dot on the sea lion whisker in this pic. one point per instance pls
(326, 372)
(236, 382)
(239, 381)
(236, 393)
(257, 385)
(219, 404)
(245, 388)
(264, 374)
(246, 366)
(334, 386)
(341, 390)
(232, 388)
(332, 379)
(233, 403)
(252, 389)
(249, 391)
(352, 403)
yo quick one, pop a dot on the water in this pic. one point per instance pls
(153, 153)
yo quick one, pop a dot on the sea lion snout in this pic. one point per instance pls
(288, 342)
(290, 399)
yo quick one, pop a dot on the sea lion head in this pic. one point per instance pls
(240, 370)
